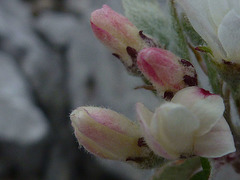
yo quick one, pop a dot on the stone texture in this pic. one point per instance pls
(57, 28)
(21, 121)
(23, 126)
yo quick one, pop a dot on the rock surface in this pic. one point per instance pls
(51, 63)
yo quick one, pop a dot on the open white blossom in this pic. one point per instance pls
(218, 23)
(191, 124)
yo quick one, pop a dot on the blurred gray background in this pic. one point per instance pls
(51, 63)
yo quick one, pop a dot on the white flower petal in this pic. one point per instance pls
(216, 143)
(207, 107)
(218, 9)
(234, 4)
(200, 18)
(145, 117)
(144, 114)
(174, 126)
(229, 35)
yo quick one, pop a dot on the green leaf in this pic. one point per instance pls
(206, 165)
(173, 171)
(147, 16)
(194, 37)
(160, 21)
(199, 176)
(178, 42)
(213, 75)
(205, 173)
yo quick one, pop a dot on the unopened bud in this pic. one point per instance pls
(167, 72)
(110, 135)
(120, 35)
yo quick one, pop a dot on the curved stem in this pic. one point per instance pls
(227, 112)
(199, 59)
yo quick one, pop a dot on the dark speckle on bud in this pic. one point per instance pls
(135, 159)
(141, 142)
(116, 55)
(186, 63)
(190, 81)
(227, 62)
(185, 156)
(143, 36)
(132, 52)
(148, 40)
(168, 95)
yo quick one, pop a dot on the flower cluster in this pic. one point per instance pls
(190, 122)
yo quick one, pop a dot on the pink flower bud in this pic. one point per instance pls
(109, 135)
(166, 71)
(119, 34)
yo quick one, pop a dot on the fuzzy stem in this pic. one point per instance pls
(199, 59)
(227, 113)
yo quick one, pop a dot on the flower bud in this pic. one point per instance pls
(119, 34)
(109, 135)
(166, 71)
(191, 124)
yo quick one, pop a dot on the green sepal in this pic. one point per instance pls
(204, 49)
(205, 174)
(178, 170)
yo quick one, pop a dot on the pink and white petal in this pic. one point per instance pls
(162, 68)
(218, 9)
(144, 118)
(103, 35)
(92, 134)
(112, 42)
(174, 126)
(216, 143)
(107, 118)
(199, 15)
(207, 107)
(118, 26)
(157, 147)
(144, 115)
(110, 20)
(92, 146)
(229, 35)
